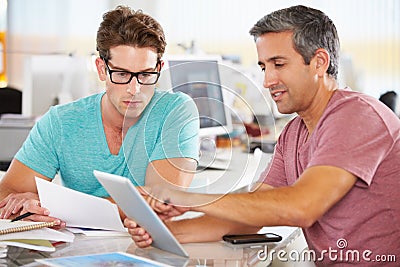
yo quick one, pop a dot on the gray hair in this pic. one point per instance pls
(311, 28)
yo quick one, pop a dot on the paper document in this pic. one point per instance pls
(96, 232)
(35, 244)
(78, 209)
(42, 233)
(3, 250)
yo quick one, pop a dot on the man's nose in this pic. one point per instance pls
(133, 86)
(270, 78)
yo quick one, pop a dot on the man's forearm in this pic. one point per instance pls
(258, 209)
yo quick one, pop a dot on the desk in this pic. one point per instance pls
(242, 169)
(217, 254)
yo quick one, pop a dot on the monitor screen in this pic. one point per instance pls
(200, 79)
(51, 80)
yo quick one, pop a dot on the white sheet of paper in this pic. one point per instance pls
(78, 209)
(95, 232)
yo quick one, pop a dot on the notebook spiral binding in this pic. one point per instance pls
(26, 228)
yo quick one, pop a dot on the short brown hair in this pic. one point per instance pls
(124, 26)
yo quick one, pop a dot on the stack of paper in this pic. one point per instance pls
(96, 232)
(38, 239)
(36, 244)
(3, 250)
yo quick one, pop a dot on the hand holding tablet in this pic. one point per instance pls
(130, 200)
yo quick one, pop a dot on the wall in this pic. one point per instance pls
(47, 27)
(368, 30)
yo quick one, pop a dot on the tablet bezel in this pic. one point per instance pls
(129, 199)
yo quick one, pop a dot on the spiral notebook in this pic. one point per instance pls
(7, 227)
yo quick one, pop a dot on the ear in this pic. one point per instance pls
(161, 64)
(321, 61)
(101, 69)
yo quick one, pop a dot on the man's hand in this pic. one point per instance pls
(139, 235)
(16, 203)
(20, 203)
(160, 202)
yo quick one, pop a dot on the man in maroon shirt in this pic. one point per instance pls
(336, 166)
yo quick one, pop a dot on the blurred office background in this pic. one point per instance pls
(369, 32)
(47, 50)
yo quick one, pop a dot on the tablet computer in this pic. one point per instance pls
(129, 199)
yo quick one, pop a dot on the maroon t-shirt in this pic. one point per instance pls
(359, 134)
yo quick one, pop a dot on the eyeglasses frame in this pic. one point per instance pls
(133, 74)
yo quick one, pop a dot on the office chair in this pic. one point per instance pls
(10, 100)
(389, 99)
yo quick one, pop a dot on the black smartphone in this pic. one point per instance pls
(252, 238)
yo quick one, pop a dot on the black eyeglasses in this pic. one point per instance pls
(125, 77)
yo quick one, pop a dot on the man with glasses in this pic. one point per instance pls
(131, 129)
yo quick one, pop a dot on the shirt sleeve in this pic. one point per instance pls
(39, 151)
(179, 135)
(274, 175)
(351, 142)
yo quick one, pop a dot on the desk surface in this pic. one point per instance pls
(204, 254)
(242, 169)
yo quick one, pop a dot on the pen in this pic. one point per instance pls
(20, 217)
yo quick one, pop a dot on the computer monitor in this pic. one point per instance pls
(12, 136)
(51, 80)
(199, 77)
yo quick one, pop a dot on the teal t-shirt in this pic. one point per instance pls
(70, 140)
